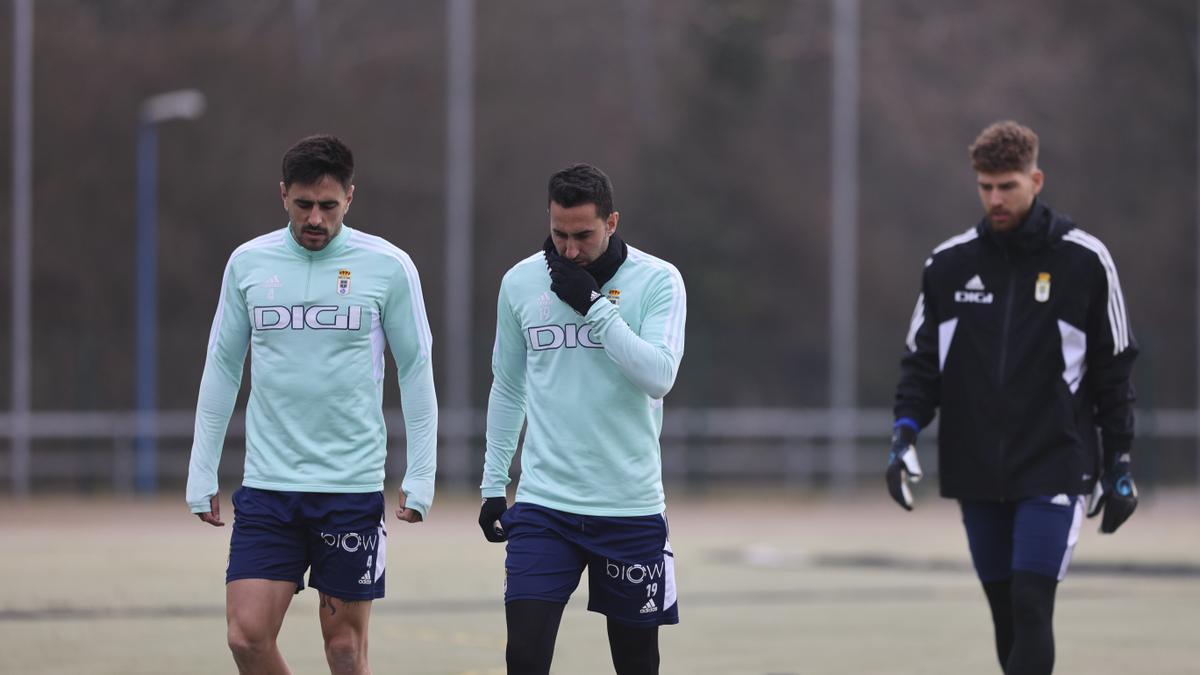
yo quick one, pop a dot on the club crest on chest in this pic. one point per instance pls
(1041, 290)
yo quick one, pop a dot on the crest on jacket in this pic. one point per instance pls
(1041, 290)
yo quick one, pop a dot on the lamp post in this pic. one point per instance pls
(843, 237)
(186, 104)
(22, 242)
(460, 190)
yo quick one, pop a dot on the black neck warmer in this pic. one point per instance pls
(605, 267)
(1030, 234)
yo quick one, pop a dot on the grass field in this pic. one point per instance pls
(769, 583)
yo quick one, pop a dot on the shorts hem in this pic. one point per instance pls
(264, 577)
(1040, 573)
(535, 596)
(368, 596)
(638, 623)
(994, 578)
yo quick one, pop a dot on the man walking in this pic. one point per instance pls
(1020, 336)
(314, 303)
(589, 337)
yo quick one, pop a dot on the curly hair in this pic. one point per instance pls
(1003, 147)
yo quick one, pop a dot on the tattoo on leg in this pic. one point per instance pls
(328, 601)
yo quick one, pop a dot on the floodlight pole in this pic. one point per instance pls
(843, 238)
(184, 104)
(459, 191)
(640, 62)
(22, 243)
(308, 50)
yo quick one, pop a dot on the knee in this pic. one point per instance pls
(532, 628)
(526, 656)
(1033, 598)
(345, 653)
(636, 662)
(248, 645)
(634, 650)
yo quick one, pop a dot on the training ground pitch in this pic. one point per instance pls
(769, 582)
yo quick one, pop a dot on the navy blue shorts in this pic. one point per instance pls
(278, 535)
(1034, 535)
(631, 569)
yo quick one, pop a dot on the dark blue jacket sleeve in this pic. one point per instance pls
(1111, 351)
(919, 390)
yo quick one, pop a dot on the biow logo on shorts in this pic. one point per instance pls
(351, 542)
(634, 574)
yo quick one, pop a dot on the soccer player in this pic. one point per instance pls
(314, 302)
(1021, 338)
(589, 336)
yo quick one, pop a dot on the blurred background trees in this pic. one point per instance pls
(711, 117)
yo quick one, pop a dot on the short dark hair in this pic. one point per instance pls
(316, 156)
(1003, 147)
(580, 184)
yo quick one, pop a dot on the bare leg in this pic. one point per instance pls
(254, 610)
(344, 627)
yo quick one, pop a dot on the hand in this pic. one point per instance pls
(406, 514)
(572, 284)
(903, 467)
(489, 518)
(213, 516)
(1116, 494)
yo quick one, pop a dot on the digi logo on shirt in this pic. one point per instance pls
(299, 317)
(569, 336)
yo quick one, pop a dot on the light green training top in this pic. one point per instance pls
(316, 324)
(591, 386)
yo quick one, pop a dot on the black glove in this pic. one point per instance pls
(489, 518)
(903, 467)
(571, 283)
(1115, 493)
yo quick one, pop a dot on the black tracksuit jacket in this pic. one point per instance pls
(1022, 340)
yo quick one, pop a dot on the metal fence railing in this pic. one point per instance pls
(701, 445)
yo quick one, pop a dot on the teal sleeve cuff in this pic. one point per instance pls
(416, 505)
(600, 309)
